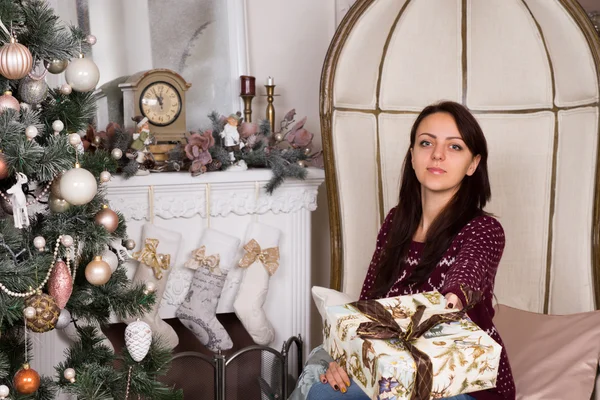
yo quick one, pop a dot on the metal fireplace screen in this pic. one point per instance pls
(253, 373)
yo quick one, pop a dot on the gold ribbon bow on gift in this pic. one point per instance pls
(149, 256)
(200, 259)
(268, 257)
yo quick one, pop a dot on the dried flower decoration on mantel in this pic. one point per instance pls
(231, 144)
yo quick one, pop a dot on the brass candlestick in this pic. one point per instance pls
(270, 107)
(247, 106)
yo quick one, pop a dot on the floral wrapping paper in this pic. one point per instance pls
(464, 358)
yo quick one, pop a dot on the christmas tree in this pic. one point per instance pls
(57, 269)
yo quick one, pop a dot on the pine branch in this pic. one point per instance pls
(45, 36)
(75, 110)
(130, 168)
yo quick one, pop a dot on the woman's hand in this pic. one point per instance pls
(452, 301)
(336, 377)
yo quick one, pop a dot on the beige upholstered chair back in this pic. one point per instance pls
(529, 71)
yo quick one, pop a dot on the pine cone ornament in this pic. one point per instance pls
(138, 337)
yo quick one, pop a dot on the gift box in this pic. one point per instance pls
(411, 347)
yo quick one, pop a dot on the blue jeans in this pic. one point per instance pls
(323, 391)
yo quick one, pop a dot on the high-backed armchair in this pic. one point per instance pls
(529, 71)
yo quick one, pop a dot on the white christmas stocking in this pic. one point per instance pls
(157, 257)
(212, 262)
(260, 261)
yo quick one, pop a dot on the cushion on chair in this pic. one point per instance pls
(551, 356)
(325, 297)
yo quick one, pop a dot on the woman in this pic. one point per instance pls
(438, 237)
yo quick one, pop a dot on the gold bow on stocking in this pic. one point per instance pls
(268, 257)
(200, 259)
(149, 256)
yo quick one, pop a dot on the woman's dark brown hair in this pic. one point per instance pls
(467, 203)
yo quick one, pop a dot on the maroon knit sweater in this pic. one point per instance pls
(471, 260)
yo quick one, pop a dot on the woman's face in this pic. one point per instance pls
(440, 157)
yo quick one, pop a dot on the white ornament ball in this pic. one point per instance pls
(31, 132)
(66, 89)
(66, 240)
(82, 74)
(39, 242)
(4, 391)
(138, 337)
(111, 259)
(91, 39)
(150, 287)
(116, 154)
(105, 176)
(78, 186)
(74, 139)
(58, 126)
(69, 374)
(29, 312)
(64, 319)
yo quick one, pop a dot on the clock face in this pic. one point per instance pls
(160, 102)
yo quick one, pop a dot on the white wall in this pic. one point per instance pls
(288, 40)
(590, 5)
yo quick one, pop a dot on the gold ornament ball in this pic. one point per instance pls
(307, 151)
(97, 272)
(8, 101)
(58, 205)
(3, 167)
(56, 66)
(46, 313)
(116, 154)
(26, 380)
(108, 219)
(301, 163)
(129, 244)
(15, 60)
(278, 137)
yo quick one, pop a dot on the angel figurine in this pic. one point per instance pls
(19, 202)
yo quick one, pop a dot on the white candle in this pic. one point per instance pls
(270, 81)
